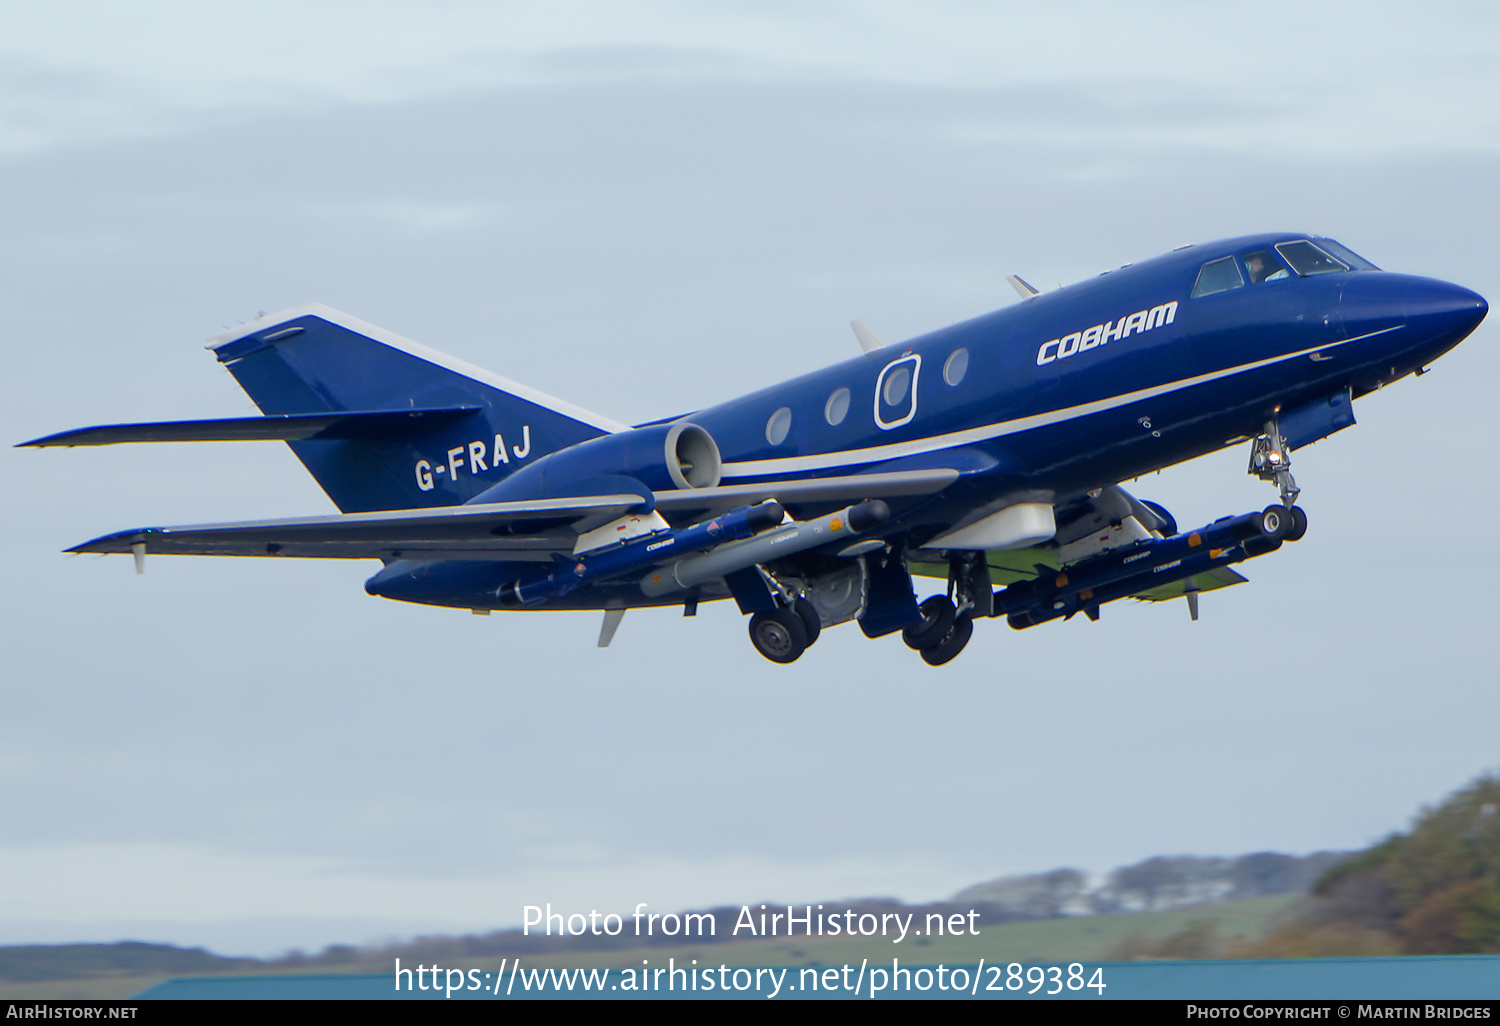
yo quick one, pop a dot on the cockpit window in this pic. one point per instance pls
(1308, 259)
(1347, 255)
(1262, 266)
(1218, 276)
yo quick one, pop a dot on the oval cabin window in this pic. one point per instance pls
(837, 407)
(956, 367)
(778, 426)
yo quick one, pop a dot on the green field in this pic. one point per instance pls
(1082, 939)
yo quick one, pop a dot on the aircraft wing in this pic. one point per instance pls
(1021, 565)
(1219, 577)
(683, 503)
(530, 530)
(506, 531)
(1075, 520)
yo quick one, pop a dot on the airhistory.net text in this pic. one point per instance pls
(807, 921)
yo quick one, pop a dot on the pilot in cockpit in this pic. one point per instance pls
(1262, 268)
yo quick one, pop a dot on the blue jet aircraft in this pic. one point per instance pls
(986, 453)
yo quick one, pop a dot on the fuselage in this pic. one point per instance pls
(1060, 418)
(1069, 391)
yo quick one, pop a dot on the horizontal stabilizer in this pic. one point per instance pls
(341, 426)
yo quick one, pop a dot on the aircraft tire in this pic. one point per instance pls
(812, 623)
(1299, 524)
(1275, 523)
(778, 635)
(937, 616)
(952, 643)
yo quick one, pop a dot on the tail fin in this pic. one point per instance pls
(314, 360)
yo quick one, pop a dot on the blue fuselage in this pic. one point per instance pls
(1068, 391)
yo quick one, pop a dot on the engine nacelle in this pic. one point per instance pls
(642, 460)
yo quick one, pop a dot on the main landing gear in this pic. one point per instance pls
(948, 620)
(784, 633)
(943, 632)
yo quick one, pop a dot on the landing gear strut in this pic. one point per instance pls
(1270, 460)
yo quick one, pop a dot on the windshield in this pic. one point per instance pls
(1307, 259)
(1218, 276)
(1347, 255)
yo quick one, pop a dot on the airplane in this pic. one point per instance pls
(986, 453)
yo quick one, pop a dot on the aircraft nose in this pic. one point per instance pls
(1443, 308)
(1432, 310)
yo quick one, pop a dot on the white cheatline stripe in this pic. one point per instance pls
(879, 453)
(421, 352)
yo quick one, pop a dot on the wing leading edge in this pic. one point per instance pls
(504, 530)
(507, 531)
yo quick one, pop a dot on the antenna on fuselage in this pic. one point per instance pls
(867, 340)
(1023, 288)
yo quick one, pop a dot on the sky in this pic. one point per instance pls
(646, 209)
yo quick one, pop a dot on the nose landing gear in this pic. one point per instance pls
(1271, 460)
(1278, 523)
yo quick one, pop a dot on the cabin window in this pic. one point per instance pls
(1307, 259)
(896, 384)
(837, 407)
(1261, 266)
(956, 367)
(778, 426)
(1218, 276)
(896, 392)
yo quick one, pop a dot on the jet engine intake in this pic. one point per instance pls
(692, 457)
(661, 457)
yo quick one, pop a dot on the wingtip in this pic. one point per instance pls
(110, 544)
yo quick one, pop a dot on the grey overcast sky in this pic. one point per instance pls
(648, 208)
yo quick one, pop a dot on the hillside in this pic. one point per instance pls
(1432, 891)
(94, 971)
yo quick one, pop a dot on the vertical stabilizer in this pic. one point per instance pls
(313, 359)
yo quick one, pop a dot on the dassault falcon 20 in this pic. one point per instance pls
(987, 453)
